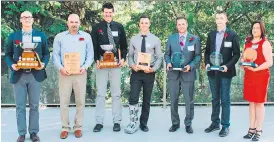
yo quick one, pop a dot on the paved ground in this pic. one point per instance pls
(158, 124)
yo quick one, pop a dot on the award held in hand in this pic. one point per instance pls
(249, 56)
(143, 61)
(109, 60)
(178, 61)
(216, 59)
(29, 58)
(72, 63)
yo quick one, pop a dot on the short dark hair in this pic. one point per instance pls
(220, 10)
(107, 5)
(143, 16)
(180, 18)
(262, 27)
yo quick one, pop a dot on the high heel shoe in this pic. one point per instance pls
(250, 134)
(257, 135)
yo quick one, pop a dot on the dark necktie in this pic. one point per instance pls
(143, 47)
(110, 38)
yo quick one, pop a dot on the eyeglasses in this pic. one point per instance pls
(25, 18)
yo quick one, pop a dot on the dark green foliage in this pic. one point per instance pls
(51, 16)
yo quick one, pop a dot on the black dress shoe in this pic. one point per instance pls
(116, 127)
(34, 137)
(21, 138)
(98, 128)
(174, 128)
(189, 129)
(144, 128)
(212, 128)
(224, 132)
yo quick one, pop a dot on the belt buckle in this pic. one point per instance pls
(27, 70)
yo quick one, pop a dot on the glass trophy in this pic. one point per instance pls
(29, 58)
(216, 59)
(249, 56)
(178, 61)
(109, 60)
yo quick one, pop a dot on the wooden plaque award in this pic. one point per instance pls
(143, 61)
(72, 63)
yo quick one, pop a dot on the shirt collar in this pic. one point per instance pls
(222, 31)
(111, 22)
(67, 32)
(185, 34)
(146, 35)
(26, 32)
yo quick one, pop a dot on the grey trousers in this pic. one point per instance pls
(187, 88)
(112, 75)
(27, 85)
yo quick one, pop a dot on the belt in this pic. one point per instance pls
(140, 71)
(26, 70)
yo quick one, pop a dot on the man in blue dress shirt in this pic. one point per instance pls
(79, 42)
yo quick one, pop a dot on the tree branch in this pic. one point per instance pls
(68, 7)
(173, 9)
(226, 6)
(197, 7)
(248, 18)
(239, 17)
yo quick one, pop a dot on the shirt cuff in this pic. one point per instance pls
(60, 67)
(154, 68)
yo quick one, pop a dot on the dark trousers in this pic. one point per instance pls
(220, 89)
(137, 81)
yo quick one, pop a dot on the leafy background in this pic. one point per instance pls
(51, 16)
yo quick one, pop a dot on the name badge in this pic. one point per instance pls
(255, 46)
(190, 48)
(228, 44)
(114, 33)
(147, 45)
(36, 39)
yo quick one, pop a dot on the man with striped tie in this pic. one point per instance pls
(108, 32)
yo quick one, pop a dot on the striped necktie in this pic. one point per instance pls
(110, 37)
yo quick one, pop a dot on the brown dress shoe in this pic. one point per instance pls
(64, 134)
(21, 138)
(78, 133)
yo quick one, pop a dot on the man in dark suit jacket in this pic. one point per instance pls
(189, 46)
(225, 42)
(27, 81)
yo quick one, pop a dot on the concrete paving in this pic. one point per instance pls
(159, 123)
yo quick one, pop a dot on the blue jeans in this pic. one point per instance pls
(220, 89)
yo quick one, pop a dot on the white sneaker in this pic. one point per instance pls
(131, 128)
